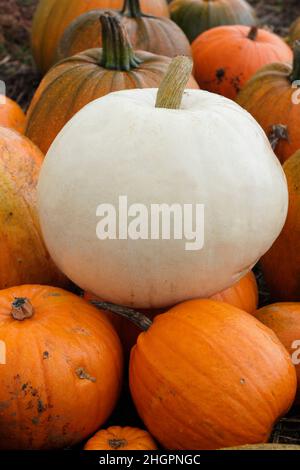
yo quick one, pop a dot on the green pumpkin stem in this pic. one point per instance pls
(117, 52)
(132, 9)
(138, 318)
(296, 64)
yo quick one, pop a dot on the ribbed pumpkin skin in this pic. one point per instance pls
(51, 107)
(118, 438)
(207, 375)
(281, 264)
(53, 16)
(225, 57)
(11, 115)
(147, 33)
(63, 370)
(24, 258)
(243, 295)
(268, 96)
(284, 320)
(196, 16)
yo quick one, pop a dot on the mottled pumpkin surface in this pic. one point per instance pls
(24, 258)
(63, 369)
(118, 438)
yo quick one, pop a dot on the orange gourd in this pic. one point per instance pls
(88, 76)
(284, 319)
(11, 115)
(272, 97)
(118, 438)
(61, 368)
(207, 375)
(226, 57)
(53, 16)
(281, 264)
(24, 258)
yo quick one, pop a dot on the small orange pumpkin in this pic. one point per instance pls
(148, 33)
(284, 320)
(227, 56)
(62, 368)
(207, 375)
(11, 115)
(118, 438)
(53, 16)
(24, 258)
(281, 264)
(272, 97)
(90, 75)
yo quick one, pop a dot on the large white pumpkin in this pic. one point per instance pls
(209, 152)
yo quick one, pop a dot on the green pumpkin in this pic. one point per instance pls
(196, 16)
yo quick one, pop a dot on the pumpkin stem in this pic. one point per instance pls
(117, 52)
(253, 33)
(117, 443)
(139, 319)
(172, 87)
(296, 63)
(278, 132)
(132, 9)
(21, 308)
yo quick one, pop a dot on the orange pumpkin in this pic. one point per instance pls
(284, 320)
(227, 56)
(90, 75)
(272, 97)
(148, 33)
(243, 295)
(207, 375)
(11, 115)
(281, 264)
(24, 258)
(117, 438)
(62, 368)
(53, 16)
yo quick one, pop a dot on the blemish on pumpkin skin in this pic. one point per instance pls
(242, 381)
(41, 407)
(4, 405)
(46, 355)
(220, 75)
(35, 421)
(82, 374)
(81, 331)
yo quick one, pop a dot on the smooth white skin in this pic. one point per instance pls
(210, 151)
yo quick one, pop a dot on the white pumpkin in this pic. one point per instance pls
(210, 151)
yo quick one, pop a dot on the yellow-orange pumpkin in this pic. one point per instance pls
(53, 16)
(207, 375)
(284, 320)
(148, 33)
(272, 97)
(281, 264)
(23, 255)
(61, 371)
(11, 115)
(118, 438)
(90, 75)
(227, 56)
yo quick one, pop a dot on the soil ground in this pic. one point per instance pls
(18, 71)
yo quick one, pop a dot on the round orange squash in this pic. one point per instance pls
(118, 438)
(281, 264)
(11, 115)
(197, 16)
(227, 56)
(90, 75)
(24, 258)
(61, 368)
(207, 375)
(272, 97)
(53, 16)
(148, 33)
(284, 320)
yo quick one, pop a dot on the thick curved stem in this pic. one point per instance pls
(117, 52)
(132, 9)
(295, 76)
(139, 319)
(171, 89)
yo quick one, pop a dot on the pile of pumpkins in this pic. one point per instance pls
(207, 369)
